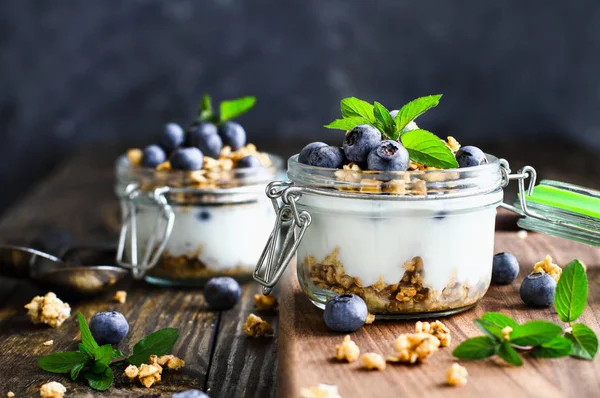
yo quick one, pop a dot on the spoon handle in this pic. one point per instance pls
(19, 262)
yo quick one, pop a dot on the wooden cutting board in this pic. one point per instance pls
(306, 347)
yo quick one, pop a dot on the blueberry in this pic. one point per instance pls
(222, 293)
(187, 159)
(505, 268)
(345, 313)
(537, 290)
(205, 137)
(331, 157)
(109, 327)
(190, 394)
(307, 150)
(469, 156)
(233, 134)
(360, 141)
(172, 137)
(204, 215)
(153, 155)
(388, 156)
(248, 161)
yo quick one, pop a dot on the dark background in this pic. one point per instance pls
(77, 73)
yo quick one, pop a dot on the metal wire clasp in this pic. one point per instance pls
(521, 176)
(157, 240)
(276, 254)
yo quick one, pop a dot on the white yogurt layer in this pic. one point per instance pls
(454, 237)
(221, 236)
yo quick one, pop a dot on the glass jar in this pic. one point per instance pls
(182, 228)
(411, 244)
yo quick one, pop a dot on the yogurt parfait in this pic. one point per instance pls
(193, 204)
(395, 215)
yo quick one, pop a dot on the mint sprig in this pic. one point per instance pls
(541, 338)
(228, 109)
(423, 146)
(92, 361)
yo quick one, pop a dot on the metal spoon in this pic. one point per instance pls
(52, 272)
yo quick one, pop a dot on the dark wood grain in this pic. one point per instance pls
(306, 346)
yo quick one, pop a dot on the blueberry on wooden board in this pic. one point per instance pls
(345, 313)
(222, 293)
(109, 327)
(538, 289)
(505, 268)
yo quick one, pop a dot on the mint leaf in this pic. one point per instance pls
(100, 381)
(234, 108)
(104, 354)
(508, 353)
(383, 117)
(207, 113)
(489, 329)
(571, 292)
(584, 340)
(62, 362)
(347, 123)
(555, 348)
(499, 320)
(475, 348)
(87, 340)
(534, 333)
(77, 369)
(428, 149)
(353, 106)
(414, 109)
(158, 343)
(86, 350)
(206, 104)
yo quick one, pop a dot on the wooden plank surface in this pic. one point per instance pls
(79, 197)
(306, 347)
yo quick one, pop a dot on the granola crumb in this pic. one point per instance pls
(347, 350)
(10, 394)
(48, 309)
(456, 375)
(436, 329)
(320, 391)
(171, 362)
(132, 371)
(49, 342)
(265, 303)
(453, 144)
(506, 332)
(255, 326)
(522, 234)
(120, 296)
(52, 390)
(164, 166)
(414, 347)
(135, 156)
(370, 319)
(373, 360)
(547, 266)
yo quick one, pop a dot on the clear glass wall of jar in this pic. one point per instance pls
(411, 244)
(186, 228)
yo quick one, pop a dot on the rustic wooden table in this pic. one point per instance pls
(78, 197)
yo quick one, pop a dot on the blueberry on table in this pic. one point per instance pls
(345, 313)
(109, 327)
(153, 155)
(187, 159)
(538, 289)
(505, 268)
(233, 134)
(222, 293)
(328, 156)
(248, 161)
(360, 141)
(469, 156)
(307, 150)
(388, 155)
(172, 137)
(190, 394)
(205, 137)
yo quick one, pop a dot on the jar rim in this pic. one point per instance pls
(409, 184)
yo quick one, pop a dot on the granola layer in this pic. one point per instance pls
(190, 267)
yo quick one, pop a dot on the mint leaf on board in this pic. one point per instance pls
(76, 370)
(584, 341)
(234, 108)
(489, 329)
(347, 123)
(500, 320)
(426, 148)
(62, 362)
(158, 343)
(571, 292)
(100, 381)
(86, 350)
(87, 340)
(555, 348)
(414, 109)
(353, 106)
(104, 354)
(509, 354)
(534, 333)
(385, 121)
(475, 348)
